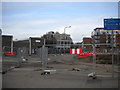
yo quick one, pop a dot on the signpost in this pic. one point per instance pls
(112, 24)
(1, 71)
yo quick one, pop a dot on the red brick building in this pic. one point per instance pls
(103, 39)
(87, 40)
(118, 40)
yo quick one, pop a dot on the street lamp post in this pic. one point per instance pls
(64, 36)
(66, 27)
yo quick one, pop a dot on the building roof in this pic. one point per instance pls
(7, 35)
(87, 38)
(98, 28)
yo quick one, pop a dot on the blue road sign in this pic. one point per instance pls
(112, 24)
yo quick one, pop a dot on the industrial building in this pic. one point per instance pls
(57, 42)
(32, 44)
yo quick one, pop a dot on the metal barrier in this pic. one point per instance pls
(102, 54)
(12, 57)
(22, 55)
(98, 56)
(44, 56)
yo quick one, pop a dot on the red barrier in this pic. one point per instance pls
(71, 51)
(87, 54)
(82, 54)
(75, 51)
(10, 53)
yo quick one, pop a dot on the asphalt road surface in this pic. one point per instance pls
(29, 75)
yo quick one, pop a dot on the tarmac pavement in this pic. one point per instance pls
(29, 76)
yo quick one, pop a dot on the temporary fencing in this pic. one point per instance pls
(44, 56)
(12, 57)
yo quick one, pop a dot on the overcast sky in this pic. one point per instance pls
(25, 19)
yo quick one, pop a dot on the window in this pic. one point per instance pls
(37, 40)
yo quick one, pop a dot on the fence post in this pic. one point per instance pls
(20, 56)
(44, 55)
(112, 56)
(94, 58)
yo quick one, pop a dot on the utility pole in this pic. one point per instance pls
(64, 37)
